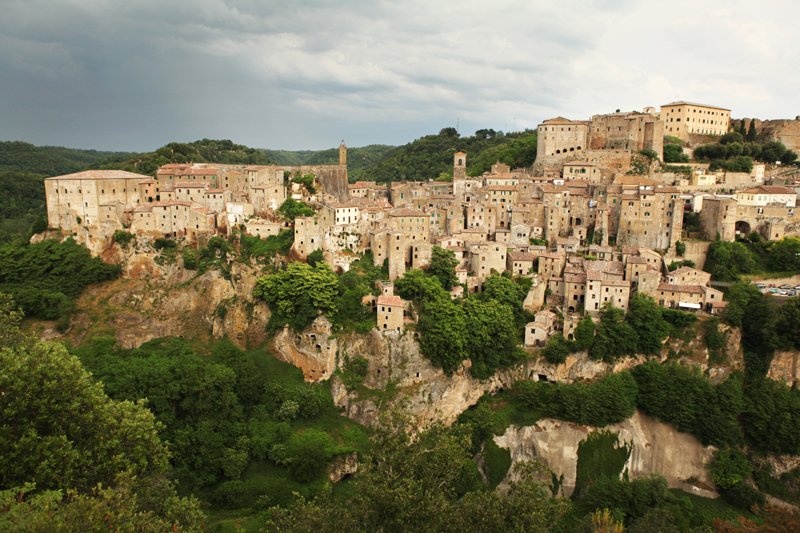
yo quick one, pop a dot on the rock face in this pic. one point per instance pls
(313, 351)
(396, 364)
(783, 367)
(157, 298)
(657, 447)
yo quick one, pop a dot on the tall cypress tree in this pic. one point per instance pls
(743, 129)
(751, 133)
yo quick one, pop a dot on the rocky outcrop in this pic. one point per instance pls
(342, 467)
(783, 367)
(159, 298)
(313, 351)
(656, 447)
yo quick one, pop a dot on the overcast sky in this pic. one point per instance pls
(137, 74)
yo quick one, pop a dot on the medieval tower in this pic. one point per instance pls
(460, 165)
(342, 154)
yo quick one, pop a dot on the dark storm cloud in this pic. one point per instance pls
(137, 74)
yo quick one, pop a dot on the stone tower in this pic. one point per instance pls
(460, 165)
(343, 154)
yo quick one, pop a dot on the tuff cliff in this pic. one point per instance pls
(157, 297)
(656, 447)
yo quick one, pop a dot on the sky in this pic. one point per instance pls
(133, 75)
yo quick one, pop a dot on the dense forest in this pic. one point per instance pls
(204, 151)
(431, 157)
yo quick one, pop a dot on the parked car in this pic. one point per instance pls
(792, 292)
(786, 286)
(797, 288)
(761, 286)
(784, 292)
(773, 291)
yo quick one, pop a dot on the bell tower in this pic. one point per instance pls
(342, 154)
(459, 165)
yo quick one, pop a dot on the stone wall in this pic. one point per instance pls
(332, 177)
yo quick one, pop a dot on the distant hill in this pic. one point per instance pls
(17, 156)
(205, 151)
(285, 157)
(431, 156)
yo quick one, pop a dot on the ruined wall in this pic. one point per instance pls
(332, 177)
(616, 160)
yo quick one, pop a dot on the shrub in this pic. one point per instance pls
(744, 496)
(729, 467)
(123, 238)
(713, 338)
(161, 243)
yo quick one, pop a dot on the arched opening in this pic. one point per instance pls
(571, 309)
(570, 336)
(558, 151)
(577, 221)
(572, 149)
(339, 270)
(743, 227)
(579, 147)
(460, 162)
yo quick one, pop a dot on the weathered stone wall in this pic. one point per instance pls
(332, 177)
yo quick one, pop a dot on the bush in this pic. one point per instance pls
(556, 350)
(161, 243)
(744, 496)
(729, 467)
(713, 338)
(680, 248)
(123, 238)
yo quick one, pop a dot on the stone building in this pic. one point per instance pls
(631, 131)
(683, 119)
(390, 313)
(83, 199)
(538, 332)
(561, 136)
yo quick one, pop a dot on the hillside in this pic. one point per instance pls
(204, 151)
(286, 157)
(17, 156)
(431, 156)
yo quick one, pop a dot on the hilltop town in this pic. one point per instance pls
(597, 218)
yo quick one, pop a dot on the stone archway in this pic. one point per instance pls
(743, 227)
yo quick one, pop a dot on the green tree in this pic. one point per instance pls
(584, 334)
(787, 323)
(315, 257)
(751, 132)
(105, 508)
(417, 285)
(414, 484)
(490, 336)
(290, 209)
(443, 266)
(557, 350)
(784, 255)
(442, 325)
(772, 151)
(730, 467)
(645, 317)
(614, 337)
(299, 293)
